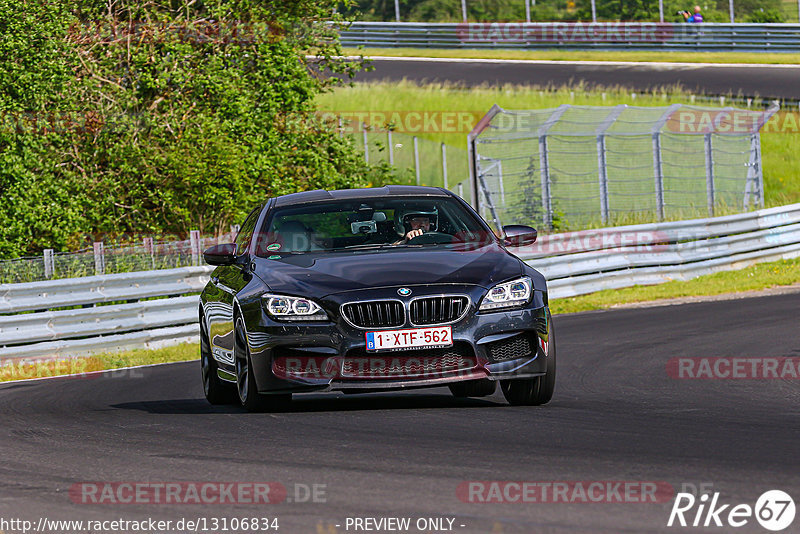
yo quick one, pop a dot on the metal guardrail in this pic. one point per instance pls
(612, 258)
(103, 313)
(578, 36)
(106, 314)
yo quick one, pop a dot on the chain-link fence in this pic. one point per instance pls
(147, 255)
(578, 167)
(416, 160)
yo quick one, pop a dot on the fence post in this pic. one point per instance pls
(150, 249)
(416, 158)
(391, 147)
(527, 10)
(99, 258)
(461, 189)
(603, 177)
(730, 8)
(366, 143)
(709, 150)
(544, 164)
(194, 241)
(759, 172)
(49, 263)
(602, 168)
(658, 169)
(444, 165)
(397, 10)
(464, 10)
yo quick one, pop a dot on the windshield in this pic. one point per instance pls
(370, 223)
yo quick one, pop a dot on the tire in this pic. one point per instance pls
(539, 390)
(216, 391)
(473, 388)
(249, 397)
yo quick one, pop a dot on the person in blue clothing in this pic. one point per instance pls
(697, 17)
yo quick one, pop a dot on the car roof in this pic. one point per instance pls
(321, 195)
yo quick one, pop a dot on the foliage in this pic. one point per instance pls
(145, 117)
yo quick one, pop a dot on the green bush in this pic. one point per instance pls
(182, 119)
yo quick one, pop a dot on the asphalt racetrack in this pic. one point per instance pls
(767, 81)
(617, 415)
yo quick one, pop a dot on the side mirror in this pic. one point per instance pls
(518, 235)
(224, 254)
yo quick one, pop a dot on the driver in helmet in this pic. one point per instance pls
(414, 223)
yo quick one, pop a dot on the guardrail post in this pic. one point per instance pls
(194, 241)
(444, 165)
(391, 146)
(709, 173)
(416, 158)
(99, 258)
(49, 263)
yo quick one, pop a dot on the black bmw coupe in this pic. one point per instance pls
(378, 289)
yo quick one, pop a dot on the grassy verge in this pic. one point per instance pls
(589, 55)
(98, 362)
(760, 276)
(780, 163)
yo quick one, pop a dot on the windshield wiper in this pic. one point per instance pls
(368, 246)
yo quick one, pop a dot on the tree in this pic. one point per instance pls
(141, 118)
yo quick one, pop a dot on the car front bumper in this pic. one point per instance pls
(325, 356)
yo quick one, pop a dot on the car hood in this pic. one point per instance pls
(322, 274)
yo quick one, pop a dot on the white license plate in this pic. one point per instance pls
(440, 336)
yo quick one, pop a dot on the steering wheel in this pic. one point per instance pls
(431, 238)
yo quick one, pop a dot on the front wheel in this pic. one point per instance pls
(538, 390)
(249, 397)
(215, 390)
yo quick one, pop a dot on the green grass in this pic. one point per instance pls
(759, 276)
(98, 362)
(589, 55)
(781, 165)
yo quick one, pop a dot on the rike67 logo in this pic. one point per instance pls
(774, 510)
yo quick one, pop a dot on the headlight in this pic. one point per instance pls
(508, 295)
(293, 308)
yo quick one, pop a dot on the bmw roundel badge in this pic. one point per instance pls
(404, 292)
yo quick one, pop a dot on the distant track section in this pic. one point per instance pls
(767, 81)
